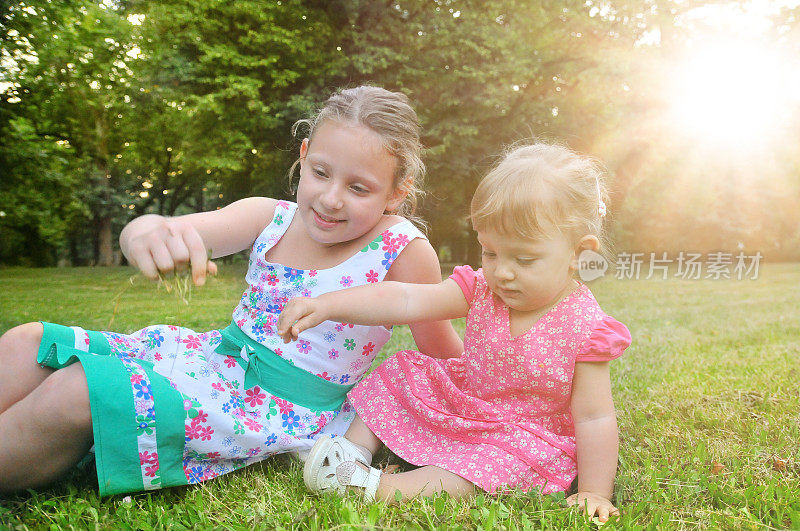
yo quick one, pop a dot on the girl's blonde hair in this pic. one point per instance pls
(540, 188)
(389, 114)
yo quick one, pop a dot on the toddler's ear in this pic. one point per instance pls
(587, 243)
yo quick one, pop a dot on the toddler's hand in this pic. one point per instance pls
(594, 504)
(299, 314)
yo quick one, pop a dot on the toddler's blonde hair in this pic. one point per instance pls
(390, 115)
(540, 188)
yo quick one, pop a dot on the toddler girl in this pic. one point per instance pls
(167, 406)
(528, 404)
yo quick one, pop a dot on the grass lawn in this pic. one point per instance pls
(708, 400)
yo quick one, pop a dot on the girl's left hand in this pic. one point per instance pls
(594, 504)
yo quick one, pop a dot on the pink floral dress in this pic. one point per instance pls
(499, 415)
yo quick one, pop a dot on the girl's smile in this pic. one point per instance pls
(346, 183)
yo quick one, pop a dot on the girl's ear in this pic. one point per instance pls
(303, 150)
(396, 198)
(590, 242)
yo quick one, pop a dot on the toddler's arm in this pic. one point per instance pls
(384, 303)
(596, 437)
(157, 244)
(419, 264)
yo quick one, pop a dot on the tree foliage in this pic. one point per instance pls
(117, 108)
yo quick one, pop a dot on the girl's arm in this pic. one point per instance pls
(384, 303)
(157, 244)
(418, 264)
(596, 437)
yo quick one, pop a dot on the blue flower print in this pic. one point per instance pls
(329, 336)
(226, 407)
(260, 247)
(274, 308)
(272, 439)
(227, 441)
(155, 337)
(195, 474)
(142, 390)
(344, 379)
(292, 274)
(388, 260)
(291, 420)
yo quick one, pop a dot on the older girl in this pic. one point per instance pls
(168, 406)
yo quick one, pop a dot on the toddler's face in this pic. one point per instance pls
(346, 182)
(527, 275)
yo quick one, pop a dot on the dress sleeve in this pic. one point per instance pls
(608, 341)
(466, 278)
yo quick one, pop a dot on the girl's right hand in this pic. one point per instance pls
(164, 246)
(300, 314)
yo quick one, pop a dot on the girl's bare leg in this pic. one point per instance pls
(47, 432)
(19, 372)
(424, 481)
(359, 433)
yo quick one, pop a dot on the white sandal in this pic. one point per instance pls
(331, 467)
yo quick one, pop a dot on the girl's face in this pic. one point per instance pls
(346, 182)
(527, 275)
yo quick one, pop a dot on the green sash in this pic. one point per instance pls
(279, 376)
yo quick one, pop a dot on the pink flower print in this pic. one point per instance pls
(284, 405)
(172, 327)
(306, 293)
(303, 346)
(230, 361)
(192, 342)
(213, 455)
(272, 279)
(187, 404)
(157, 356)
(218, 386)
(372, 276)
(148, 457)
(387, 236)
(312, 273)
(346, 281)
(205, 433)
(282, 204)
(240, 323)
(252, 425)
(150, 471)
(333, 353)
(279, 352)
(255, 397)
(368, 348)
(202, 416)
(390, 245)
(402, 239)
(339, 327)
(193, 431)
(136, 378)
(325, 375)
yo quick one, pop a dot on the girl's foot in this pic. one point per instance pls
(335, 464)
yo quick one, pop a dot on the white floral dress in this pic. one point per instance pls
(171, 406)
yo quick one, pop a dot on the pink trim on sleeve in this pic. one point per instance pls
(466, 278)
(608, 341)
